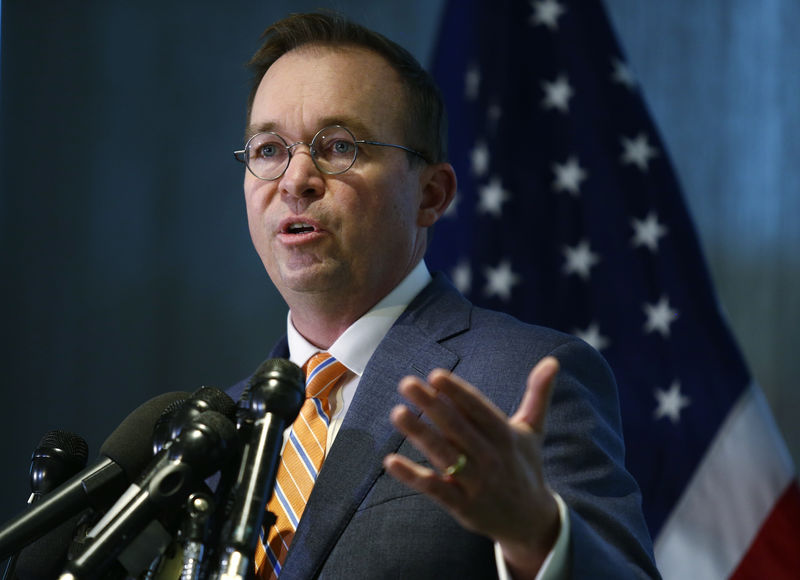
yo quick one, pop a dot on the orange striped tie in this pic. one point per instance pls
(300, 463)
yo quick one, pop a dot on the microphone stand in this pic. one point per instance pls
(199, 509)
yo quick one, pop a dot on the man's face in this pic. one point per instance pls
(365, 233)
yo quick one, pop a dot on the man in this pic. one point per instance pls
(425, 475)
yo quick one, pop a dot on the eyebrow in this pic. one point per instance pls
(258, 128)
(357, 127)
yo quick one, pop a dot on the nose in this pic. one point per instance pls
(302, 178)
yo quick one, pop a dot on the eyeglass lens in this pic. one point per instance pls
(333, 150)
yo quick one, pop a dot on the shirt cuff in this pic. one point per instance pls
(555, 565)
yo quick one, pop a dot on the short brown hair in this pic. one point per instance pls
(426, 126)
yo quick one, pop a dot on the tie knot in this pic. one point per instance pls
(322, 375)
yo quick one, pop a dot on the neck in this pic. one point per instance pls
(322, 318)
(320, 328)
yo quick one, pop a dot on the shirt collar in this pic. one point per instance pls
(356, 345)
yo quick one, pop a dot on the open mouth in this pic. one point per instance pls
(299, 228)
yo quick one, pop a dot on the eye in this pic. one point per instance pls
(268, 150)
(343, 146)
(338, 146)
(266, 147)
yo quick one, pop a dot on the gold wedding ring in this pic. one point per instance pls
(457, 467)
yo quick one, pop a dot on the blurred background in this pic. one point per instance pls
(126, 267)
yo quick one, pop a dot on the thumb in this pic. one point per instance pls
(536, 400)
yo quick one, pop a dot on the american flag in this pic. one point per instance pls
(569, 215)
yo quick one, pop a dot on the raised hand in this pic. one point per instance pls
(488, 466)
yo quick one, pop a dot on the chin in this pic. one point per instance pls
(310, 278)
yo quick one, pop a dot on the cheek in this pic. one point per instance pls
(256, 198)
(253, 191)
(404, 208)
(393, 218)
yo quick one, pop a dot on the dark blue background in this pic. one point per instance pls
(125, 261)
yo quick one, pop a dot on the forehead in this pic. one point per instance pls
(313, 86)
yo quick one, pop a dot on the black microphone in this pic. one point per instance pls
(181, 413)
(154, 541)
(162, 431)
(59, 456)
(276, 393)
(164, 486)
(123, 455)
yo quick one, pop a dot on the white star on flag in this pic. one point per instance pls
(638, 151)
(462, 277)
(671, 402)
(647, 231)
(472, 82)
(568, 176)
(587, 184)
(479, 159)
(592, 336)
(580, 259)
(557, 94)
(500, 280)
(659, 316)
(492, 197)
(546, 12)
(622, 73)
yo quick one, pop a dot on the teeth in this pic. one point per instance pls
(300, 228)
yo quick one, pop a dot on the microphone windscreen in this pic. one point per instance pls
(217, 400)
(73, 445)
(129, 446)
(162, 431)
(180, 413)
(59, 456)
(171, 409)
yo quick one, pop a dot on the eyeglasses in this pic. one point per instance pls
(333, 149)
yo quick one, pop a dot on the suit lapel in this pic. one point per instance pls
(412, 346)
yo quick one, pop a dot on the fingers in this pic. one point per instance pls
(441, 440)
(422, 479)
(471, 403)
(496, 486)
(459, 419)
(472, 417)
(536, 400)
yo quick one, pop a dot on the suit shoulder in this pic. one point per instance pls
(493, 325)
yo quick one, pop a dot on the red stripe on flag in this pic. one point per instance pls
(775, 553)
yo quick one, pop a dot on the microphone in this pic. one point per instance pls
(122, 456)
(164, 485)
(179, 414)
(275, 394)
(162, 432)
(153, 541)
(59, 456)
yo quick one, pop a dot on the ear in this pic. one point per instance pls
(438, 188)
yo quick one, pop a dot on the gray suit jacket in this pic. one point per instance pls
(360, 523)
